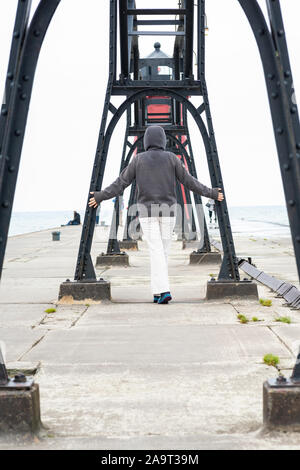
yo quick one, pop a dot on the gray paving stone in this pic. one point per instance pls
(159, 343)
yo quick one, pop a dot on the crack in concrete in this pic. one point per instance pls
(79, 317)
(33, 346)
(281, 341)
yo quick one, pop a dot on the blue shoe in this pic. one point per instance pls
(165, 297)
(156, 298)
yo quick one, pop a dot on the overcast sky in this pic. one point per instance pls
(70, 84)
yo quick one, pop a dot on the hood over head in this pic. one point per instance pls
(155, 137)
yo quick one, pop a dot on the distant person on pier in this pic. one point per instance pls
(211, 209)
(76, 219)
(156, 172)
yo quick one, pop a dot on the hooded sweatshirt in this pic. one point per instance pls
(155, 172)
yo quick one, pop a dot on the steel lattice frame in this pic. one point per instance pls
(26, 45)
(113, 245)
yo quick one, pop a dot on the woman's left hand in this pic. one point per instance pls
(92, 201)
(220, 195)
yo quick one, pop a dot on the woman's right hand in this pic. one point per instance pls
(92, 202)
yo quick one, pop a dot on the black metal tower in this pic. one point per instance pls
(140, 79)
(179, 88)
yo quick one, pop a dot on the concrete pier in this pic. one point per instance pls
(128, 245)
(205, 258)
(20, 411)
(119, 259)
(129, 374)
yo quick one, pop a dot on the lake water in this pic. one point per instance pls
(253, 220)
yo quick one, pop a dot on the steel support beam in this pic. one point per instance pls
(188, 38)
(155, 11)
(19, 33)
(84, 267)
(25, 58)
(229, 268)
(124, 52)
(279, 80)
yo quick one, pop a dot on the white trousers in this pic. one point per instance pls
(157, 232)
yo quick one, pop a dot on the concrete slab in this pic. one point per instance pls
(16, 315)
(19, 340)
(64, 317)
(289, 335)
(29, 290)
(153, 314)
(156, 344)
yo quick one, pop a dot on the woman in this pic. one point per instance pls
(156, 172)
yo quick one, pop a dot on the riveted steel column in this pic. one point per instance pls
(229, 268)
(84, 266)
(113, 243)
(19, 101)
(189, 38)
(278, 75)
(124, 53)
(19, 33)
(205, 245)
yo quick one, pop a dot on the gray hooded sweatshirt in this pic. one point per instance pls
(156, 172)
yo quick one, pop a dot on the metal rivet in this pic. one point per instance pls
(287, 74)
(23, 96)
(10, 75)
(4, 112)
(37, 33)
(25, 78)
(20, 378)
(280, 33)
(261, 31)
(292, 203)
(298, 146)
(274, 95)
(293, 109)
(298, 238)
(279, 130)
(11, 169)
(16, 34)
(17, 132)
(286, 166)
(5, 204)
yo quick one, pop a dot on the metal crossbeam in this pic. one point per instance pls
(156, 11)
(157, 33)
(157, 22)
